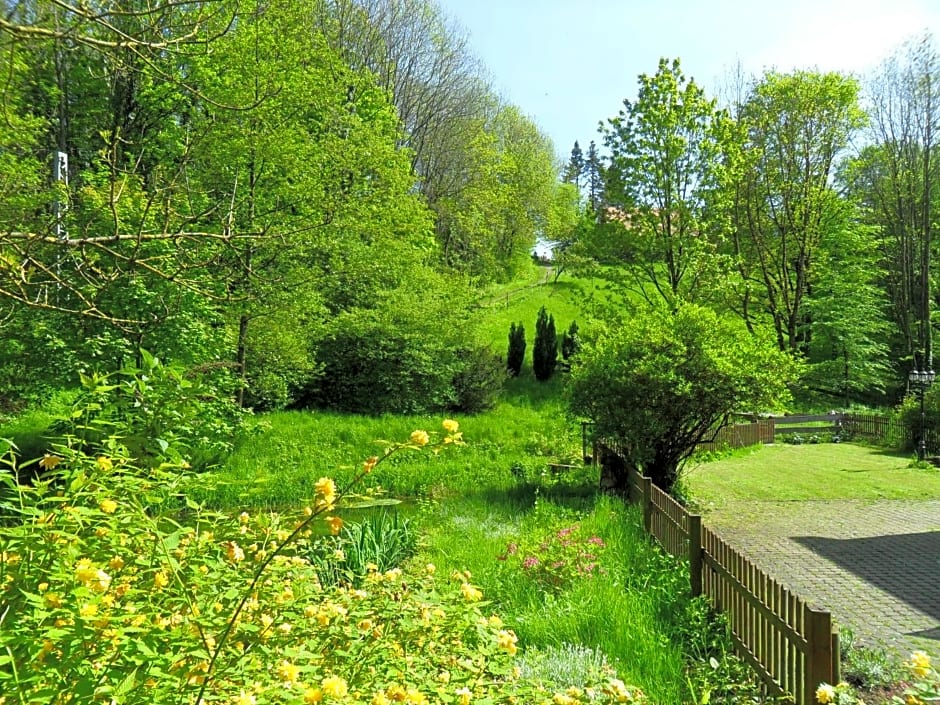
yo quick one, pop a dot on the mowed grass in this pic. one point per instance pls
(784, 472)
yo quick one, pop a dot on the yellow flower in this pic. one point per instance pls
(88, 610)
(470, 593)
(101, 582)
(313, 696)
(326, 489)
(116, 563)
(104, 463)
(420, 438)
(245, 699)
(430, 568)
(364, 625)
(450, 425)
(506, 640)
(48, 462)
(396, 693)
(334, 686)
(334, 524)
(562, 699)
(160, 579)
(288, 673)
(85, 571)
(920, 664)
(416, 697)
(234, 552)
(108, 506)
(369, 465)
(825, 694)
(380, 699)
(464, 694)
(244, 518)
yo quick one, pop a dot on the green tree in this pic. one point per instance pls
(794, 127)
(594, 178)
(515, 355)
(665, 168)
(574, 170)
(570, 342)
(545, 348)
(659, 382)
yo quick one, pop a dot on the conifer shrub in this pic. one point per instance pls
(570, 343)
(545, 351)
(516, 354)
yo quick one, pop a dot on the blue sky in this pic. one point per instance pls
(569, 64)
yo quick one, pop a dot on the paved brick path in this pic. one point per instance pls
(874, 564)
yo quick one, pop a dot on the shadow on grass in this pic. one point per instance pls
(904, 565)
(521, 498)
(527, 391)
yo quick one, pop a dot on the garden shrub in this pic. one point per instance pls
(545, 351)
(110, 593)
(479, 380)
(570, 342)
(515, 356)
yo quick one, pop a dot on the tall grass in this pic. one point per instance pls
(623, 612)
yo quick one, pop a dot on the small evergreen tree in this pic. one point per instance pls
(516, 354)
(574, 169)
(545, 352)
(570, 344)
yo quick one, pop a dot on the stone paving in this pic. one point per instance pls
(875, 565)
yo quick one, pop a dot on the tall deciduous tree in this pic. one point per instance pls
(897, 175)
(795, 125)
(665, 166)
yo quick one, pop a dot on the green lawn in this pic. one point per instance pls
(805, 472)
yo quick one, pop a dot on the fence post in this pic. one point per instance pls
(836, 656)
(818, 653)
(695, 554)
(647, 504)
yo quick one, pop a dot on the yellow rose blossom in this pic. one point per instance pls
(244, 698)
(334, 524)
(364, 625)
(396, 693)
(160, 579)
(450, 425)
(334, 687)
(506, 640)
(415, 697)
(825, 694)
(85, 571)
(326, 489)
(52, 599)
(920, 664)
(244, 518)
(464, 694)
(470, 593)
(104, 463)
(430, 568)
(313, 696)
(88, 610)
(101, 582)
(380, 699)
(116, 563)
(288, 672)
(108, 506)
(420, 438)
(234, 552)
(48, 461)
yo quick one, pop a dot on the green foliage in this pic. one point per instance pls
(378, 544)
(658, 382)
(868, 667)
(570, 342)
(545, 349)
(479, 380)
(160, 413)
(557, 558)
(925, 687)
(515, 356)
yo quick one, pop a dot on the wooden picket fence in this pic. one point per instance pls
(791, 647)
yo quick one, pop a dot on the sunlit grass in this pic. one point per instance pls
(785, 472)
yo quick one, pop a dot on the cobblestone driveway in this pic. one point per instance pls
(874, 564)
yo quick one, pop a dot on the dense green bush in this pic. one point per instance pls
(570, 343)
(545, 352)
(516, 354)
(479, 380)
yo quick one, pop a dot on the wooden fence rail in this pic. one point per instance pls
(792, 647)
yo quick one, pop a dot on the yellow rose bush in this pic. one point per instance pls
(925, 686)
(115, 588)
